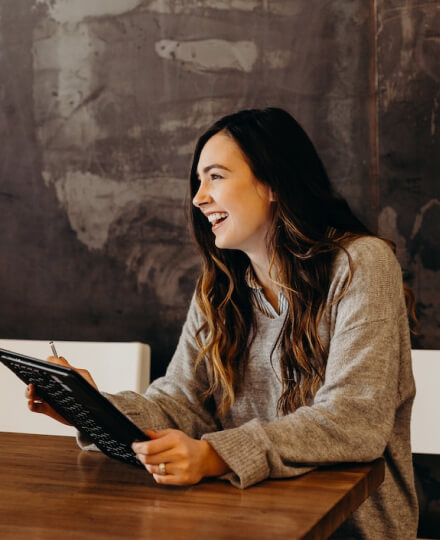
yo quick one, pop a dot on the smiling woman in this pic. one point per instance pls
(296, 351)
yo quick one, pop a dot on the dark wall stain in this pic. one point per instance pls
(409, 142)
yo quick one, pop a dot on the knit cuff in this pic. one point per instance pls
(247, 462)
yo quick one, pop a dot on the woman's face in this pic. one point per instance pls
(237, 205)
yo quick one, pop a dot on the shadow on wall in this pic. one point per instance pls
(427, 474)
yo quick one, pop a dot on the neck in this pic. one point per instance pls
(270, 289)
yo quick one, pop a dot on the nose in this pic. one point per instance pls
(202, 195)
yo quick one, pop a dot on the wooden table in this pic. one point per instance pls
(49, 489)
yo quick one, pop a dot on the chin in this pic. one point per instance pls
(221, 244)
(227, 245)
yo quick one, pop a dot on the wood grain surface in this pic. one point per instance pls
(50, 489)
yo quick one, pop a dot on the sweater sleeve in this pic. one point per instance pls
(352, 414)
(175, 400)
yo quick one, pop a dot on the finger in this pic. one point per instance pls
(44, 408)
(38, 406)
(158, 433)
(31, 393)
(174, 475)
(59, 360)
(170, 469)
(164, 457)
(171, 480)
(153, 469)
(153, 447)
(152, 434)
(165, 479)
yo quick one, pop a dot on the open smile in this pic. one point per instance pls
(216, 219)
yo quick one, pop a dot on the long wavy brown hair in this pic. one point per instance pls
(310, 225)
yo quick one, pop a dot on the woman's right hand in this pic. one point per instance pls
(38, 405)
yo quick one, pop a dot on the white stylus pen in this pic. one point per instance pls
(54, 351)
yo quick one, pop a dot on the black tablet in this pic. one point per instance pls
(79, 403)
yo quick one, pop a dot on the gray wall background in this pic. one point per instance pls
(101, 103)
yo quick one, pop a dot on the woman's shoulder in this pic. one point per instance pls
(369, 263)
(367, 251)
(366, 281)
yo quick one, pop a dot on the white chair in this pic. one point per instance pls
(114, 367)
(425, 421)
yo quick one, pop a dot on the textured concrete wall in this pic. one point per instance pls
(409, 148)
(101, 103)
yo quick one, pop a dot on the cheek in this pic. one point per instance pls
(249, 205)
(253, 217)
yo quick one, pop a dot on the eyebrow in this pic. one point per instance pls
(213, 166)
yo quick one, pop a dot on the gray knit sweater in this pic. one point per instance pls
(361, 412)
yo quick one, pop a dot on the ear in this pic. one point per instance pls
(272, 196)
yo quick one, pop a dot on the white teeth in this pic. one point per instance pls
(218, 215)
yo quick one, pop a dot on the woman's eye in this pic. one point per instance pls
(215, 176)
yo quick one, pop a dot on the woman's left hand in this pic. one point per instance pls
(174, 458)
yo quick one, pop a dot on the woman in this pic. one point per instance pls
(296, 351)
